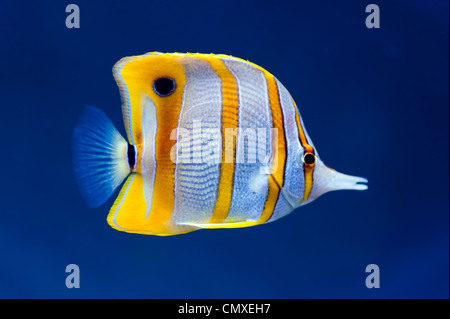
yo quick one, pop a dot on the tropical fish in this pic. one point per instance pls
(214, 141)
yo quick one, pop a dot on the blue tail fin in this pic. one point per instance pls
(99, 156)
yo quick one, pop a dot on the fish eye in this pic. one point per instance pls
(164, 86)
(309, 159)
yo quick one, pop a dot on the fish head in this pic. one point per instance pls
(320, 179)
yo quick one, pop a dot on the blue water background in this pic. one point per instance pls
(375, 102)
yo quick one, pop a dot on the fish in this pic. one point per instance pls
(213, 141)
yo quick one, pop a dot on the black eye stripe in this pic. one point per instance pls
(164, 86)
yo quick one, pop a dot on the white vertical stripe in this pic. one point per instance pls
(292, 190)
(197, 180)
(254, 113)
(148, 162)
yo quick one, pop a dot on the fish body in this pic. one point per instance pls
(214, 141)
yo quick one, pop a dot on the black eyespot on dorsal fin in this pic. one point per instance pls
(164, 86)
(131, 156)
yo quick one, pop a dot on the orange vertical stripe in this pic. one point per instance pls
(139, 73)
(308, 170)
(276, 179)
(167, 114)
(230, 106)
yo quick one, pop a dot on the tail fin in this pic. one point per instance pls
(99, 156)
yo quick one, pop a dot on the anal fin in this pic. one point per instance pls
(130, 212)
(238, 224)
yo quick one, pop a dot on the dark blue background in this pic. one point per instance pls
(375, 102)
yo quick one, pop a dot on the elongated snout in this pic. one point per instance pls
(327, 179)
(339, 181)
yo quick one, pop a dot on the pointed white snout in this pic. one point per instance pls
(342, 181)
(327, 179)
